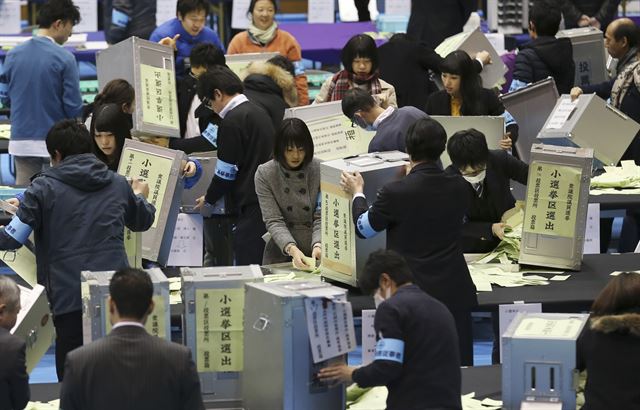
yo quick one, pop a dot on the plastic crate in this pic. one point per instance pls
(392, 24)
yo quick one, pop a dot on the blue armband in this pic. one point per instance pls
(390, 349)
(119, 18)
(211, 134)
(20, 196)
(298, 67)
(364, 226)
(191, 181)
(508, 118)
(18, 230)
(226, 171)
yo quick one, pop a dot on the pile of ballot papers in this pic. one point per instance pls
(37, 405)
(623, 179)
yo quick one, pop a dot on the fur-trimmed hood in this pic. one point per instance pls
(280, 76)
(626, 322)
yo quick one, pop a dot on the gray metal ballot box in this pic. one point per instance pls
(343, 253)
(149, 68)
(539, 361)
(557, 199)
(204, 291)
(161, 168)
(280, 373)
(590, 122)
(531, 106)
(588, 54)
(492, 128)
(95, 310)
(223, 206)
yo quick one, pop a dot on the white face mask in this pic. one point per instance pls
(378, 299)
(476, 179)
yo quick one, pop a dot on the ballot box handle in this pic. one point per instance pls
(167, 64)
(261, 323)
(617, 112)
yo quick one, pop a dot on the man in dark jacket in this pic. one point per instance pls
(77, 210)
(545, 55)
(126, 18)
(583, 13)
(432, 21)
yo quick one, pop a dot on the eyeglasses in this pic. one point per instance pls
(208, 103)
(359, 121)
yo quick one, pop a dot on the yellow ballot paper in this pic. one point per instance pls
(159, 101)
(219, 330)
(23, 262)
(553, 194)
(338, 235)
(155, 322)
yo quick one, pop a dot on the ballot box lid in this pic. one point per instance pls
(103, 278)
(558, 326)
(300, 289)
(221, 274)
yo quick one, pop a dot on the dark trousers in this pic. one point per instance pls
(464, 327)
(248, 244)
(218, 241)
(363, 10)
(68, 337)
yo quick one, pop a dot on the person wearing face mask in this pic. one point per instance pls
(489, 174)
(390, 124)
(423, 215)
(360, 62)
(288, 189)
(417, 349)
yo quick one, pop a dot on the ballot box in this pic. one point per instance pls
(557, 200)
(492, 128)
(34, 324)
(530, 106)
(214, 301)
(588, 54)
(133, 247)
(96, 321)
(472, 42)
(334, 135)
(239, 62)
(539, 366)
(292, 330)
(149, 68)
(343, 253)
(224, 206)
(162, 169)
(590, 122)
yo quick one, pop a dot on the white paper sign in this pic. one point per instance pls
(165, 11)
(330, 327)
(561, 114)
(186, 246)
(239, 16)
(508, 312)
(89, 12)
(321, 11)
(368, 336)
(9, 16)
(592, 234)
(397, 7)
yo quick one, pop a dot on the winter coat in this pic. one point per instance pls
(544, 57)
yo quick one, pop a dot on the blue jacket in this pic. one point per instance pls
(186, 41)
(40, 83)
(78, 211)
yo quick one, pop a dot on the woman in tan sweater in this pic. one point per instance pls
(264, 36)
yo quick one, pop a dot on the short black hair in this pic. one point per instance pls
(545, 17)
(218, 78)
(68, 137)
(357, 99)
(132, 292)
(359, 46)
(384, 261)
(628, 30)
(252, 5)
(468, 148)
(206, 55)
(55, 10)
(459, 63)
(284, 63)
(293, 133)
(426, 139)
(185, 7)
(111, 118)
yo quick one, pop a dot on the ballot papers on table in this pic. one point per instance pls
(279, 371)
(161, 168)
(223, 206)
(34, 324)
(149, 68)
(590, 122)
(334, 135)
(238, 63)
(343, 253)
(588, 55)
(214, 315)
(492, 128)
(472, 42)
(539, 361)
(530, 106)
(555, 215)
(96, 316)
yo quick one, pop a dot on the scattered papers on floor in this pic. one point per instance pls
(366, 399)
(469, 402)
(616, 273)
(625, 176)
(37, 405)
(560, 277)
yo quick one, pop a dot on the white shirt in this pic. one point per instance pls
(235, 101)
(383, 117)
(193, 127)
(127, 323)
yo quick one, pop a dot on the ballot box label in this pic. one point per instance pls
(133, 247)
(507, 313)
(155, 322)
(330, 327)
(338, 233)
(219, 330)
(553, 194)
(186, 245)
(336, 137)
(368, 336)
(158, 96)
(535, 327)
(592, 233)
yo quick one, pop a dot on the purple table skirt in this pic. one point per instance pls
(80, 54)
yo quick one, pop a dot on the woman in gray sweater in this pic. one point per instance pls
(288, 189)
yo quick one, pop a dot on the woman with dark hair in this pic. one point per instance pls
(463, 95)
(117, 91)
(264, 35)
(609, 346)
(360, 62)
(288, 189)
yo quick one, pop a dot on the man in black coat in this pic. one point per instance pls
(14, 380)
(423, 216)
(488, 175)
(432, 21)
